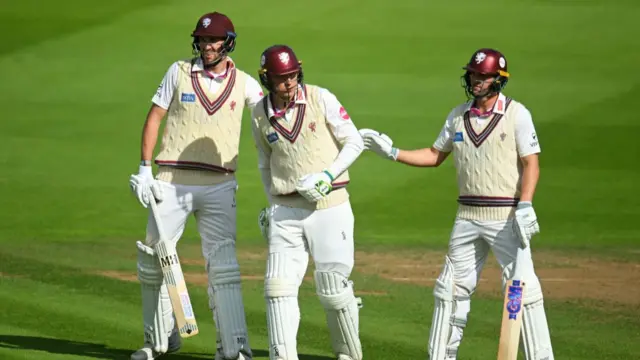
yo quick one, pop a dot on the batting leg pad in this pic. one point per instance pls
(147, 353)
(157, 312)
(341, 307)
(536, 340)
(449, 316)
(281, 285)
(225, 301)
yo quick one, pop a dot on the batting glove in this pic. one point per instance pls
(379, 143)
(526, 222)
(263, 222)
(315, 187)
(143, 183)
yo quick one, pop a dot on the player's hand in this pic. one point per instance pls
(263, 222)
(315, 187)
(379, 143)
(525, 223)
(143, 183)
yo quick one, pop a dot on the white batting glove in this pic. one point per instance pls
(379, 143)
(525, 223)
(315, 187)
(143, 183)
(263, 222)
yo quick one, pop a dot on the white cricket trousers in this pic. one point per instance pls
(471, 241)
(325, 234)
(213, 206)
(469, 246)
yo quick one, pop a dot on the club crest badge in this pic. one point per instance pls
(284, 57)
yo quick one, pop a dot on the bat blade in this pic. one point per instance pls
(174, 279)
(511, 320)
(177, 289)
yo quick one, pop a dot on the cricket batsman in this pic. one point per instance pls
(203, 99)
(306, 141)
(495, 148)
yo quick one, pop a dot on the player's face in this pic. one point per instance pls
(285, 85)
(481, 83)
(210, 48)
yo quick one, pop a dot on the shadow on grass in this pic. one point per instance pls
(98, 351)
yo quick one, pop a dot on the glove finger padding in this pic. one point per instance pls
(302, 182)
(521, 234)
(366, 132)
(156, 191)
(311, 195)
(386, 139)
(369, 142)
(140, 189)
(526, 224)
(375, 136)
(142, 192)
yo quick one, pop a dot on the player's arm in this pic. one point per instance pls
(159, 107)
(530, 176)
(264, 165)
(426, 157)
(264, 157)
(528, 149)
(344, 131)
(252, 93)
(161, 101)
(150, 131)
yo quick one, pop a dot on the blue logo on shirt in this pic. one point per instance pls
(273, 137)
(188, 97)
(458, 137)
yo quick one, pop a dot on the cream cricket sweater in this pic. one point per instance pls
(488, 167)
(304, 146)
(202, 133)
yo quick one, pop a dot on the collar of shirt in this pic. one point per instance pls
(300, 99)
(498, 107)
(198, 66)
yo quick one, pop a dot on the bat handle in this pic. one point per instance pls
(517, 266)
(156, 216)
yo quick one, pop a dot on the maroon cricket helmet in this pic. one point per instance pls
(215, 25)
(278, 60)
(486, 61)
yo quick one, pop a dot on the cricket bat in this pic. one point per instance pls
(174, 279)
(512, 313)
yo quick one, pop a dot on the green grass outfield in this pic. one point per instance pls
(76, 79)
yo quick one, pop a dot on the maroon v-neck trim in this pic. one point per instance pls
(478, 139)
(212, 106)
(292, 134)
